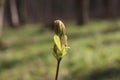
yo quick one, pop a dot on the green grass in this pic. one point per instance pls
(94, 53)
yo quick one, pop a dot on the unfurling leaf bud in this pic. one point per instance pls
(60, 40)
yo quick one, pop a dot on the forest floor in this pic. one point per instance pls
(94, 53)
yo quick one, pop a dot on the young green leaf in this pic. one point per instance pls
(57, 41)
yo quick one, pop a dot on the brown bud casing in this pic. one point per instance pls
(59, 27)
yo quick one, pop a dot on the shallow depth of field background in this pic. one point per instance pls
(26, 39)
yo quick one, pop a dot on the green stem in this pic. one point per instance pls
(57, 70)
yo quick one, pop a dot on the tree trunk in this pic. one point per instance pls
(23, 12)
(48, 13)
(2, 2)
(111, 9)
(82, 11)
(14, 13)
(99, 8)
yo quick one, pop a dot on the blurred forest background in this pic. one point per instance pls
(17, 12)
(26, 39)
